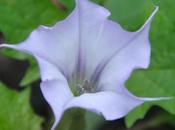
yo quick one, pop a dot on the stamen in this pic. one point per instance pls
(86, 87)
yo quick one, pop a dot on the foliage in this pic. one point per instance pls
(16, 113)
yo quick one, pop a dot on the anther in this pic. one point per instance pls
(86, 87)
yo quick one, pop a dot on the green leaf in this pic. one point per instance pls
(163, 118)
(93, 120)
(32, 73)
(16, 113)
(72, 119)
(158, 80)
(76, 118)
(69, 4)
(129, 14)
(18, 18)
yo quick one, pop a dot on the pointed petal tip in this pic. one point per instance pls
(2, 45)
(148, 21)
(7, 46)
(156, 8)
(54, 125)
(141, 101)
(156, 99)
(11, 46)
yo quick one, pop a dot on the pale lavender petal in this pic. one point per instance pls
(57, 94)
(135, 54)
(99, 38)
(48, 71)
(91, 19)
(110, 104)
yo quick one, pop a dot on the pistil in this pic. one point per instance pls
(86, 87)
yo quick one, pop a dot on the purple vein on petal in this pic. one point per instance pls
(82, 52)
(80, 62)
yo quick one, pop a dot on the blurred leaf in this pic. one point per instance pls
(93, 120)
(163, 118)
(156, 120)
(18, 18)
(14, 54)
(70, 4)
(16, 113)
(79, 119)
(31, 75)
(129, 14)
(72, 119)
(158, 80)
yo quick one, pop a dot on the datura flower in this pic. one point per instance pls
(85, 60)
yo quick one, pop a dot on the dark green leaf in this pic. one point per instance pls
(16, 113)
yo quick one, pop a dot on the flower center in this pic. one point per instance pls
(86, 87)
(81, 87)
